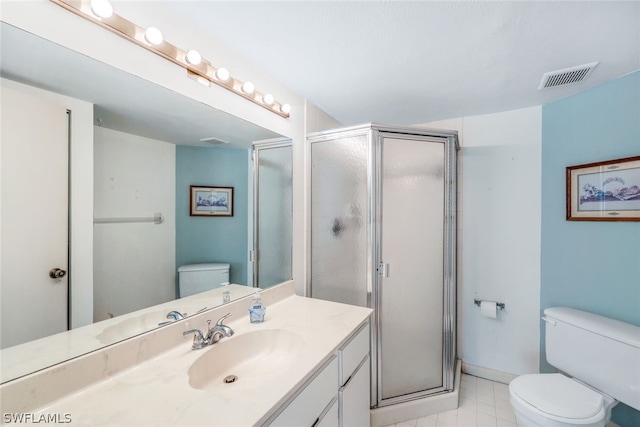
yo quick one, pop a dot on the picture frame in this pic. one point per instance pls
(604, 191)
(211, 201)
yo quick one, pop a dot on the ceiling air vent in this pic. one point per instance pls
(566, 75)
(213, 140)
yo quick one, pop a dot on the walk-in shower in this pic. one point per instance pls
(383, 216)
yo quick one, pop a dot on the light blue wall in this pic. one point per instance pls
(593, 266)
(213, 239)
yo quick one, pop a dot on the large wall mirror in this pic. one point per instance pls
(150, 145)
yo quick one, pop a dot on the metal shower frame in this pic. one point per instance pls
(375, 134)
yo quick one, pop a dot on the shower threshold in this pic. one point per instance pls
(418, 408)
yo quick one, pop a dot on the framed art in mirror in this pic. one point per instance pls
(604, 191)
(211, 201)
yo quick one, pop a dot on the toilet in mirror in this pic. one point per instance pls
(196, 278)
(598, 358)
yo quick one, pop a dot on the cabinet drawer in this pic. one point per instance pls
(307, 406)
(330, 417)
(352, 353)
(354, 398)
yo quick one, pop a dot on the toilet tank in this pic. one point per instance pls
(601, 352)
(196, 278)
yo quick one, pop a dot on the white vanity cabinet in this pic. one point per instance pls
(338, 395)
(355, 379)
(312, 406)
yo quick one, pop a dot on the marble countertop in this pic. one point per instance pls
(157, 392)
(34, 355)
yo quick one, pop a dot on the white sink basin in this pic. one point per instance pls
(252, 358)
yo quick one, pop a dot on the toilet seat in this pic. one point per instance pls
(558, 397)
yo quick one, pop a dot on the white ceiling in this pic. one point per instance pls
(389, 62)
(410, 62)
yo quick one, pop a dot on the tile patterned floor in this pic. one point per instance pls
(483, 403)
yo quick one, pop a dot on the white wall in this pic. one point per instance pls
(316, 120)
(134, 264)
(499, 184)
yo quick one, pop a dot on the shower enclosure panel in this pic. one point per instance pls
(340, 220)
(383, 236)
(273, 207)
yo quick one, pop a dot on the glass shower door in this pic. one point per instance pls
(273, 214)
(383, 235)
(340, 266)
(411, 212)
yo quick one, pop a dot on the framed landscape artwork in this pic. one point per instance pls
(604, 191)
(211, 201)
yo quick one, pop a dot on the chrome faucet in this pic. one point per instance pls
(214, 334)
(175, 315)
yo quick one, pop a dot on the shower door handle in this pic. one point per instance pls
(383, 269)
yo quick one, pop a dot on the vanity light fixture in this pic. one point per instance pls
(268, 99)
(101, 8)
(193, 57)
(101, 12)
(248, 88)
(153, 36)
(222, 74)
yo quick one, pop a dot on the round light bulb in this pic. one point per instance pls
(101, 8)
(268, 99)
(193, 57)
(247, 87)
(153, 36)
(222, 74)
(285, 108)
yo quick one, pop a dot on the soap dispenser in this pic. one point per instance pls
(257, 309)
(226, 293)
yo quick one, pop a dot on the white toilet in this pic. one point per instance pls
(599, 358)
(196, 278)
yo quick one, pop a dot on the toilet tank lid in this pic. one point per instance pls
(611, 328)
(203, 267)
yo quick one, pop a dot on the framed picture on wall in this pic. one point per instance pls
(211, 201)
(604, 191)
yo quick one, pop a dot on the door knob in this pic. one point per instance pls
(57, 273)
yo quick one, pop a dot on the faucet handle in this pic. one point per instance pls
(198, 338)
(176, 315)
(197, 334)
(220, 320)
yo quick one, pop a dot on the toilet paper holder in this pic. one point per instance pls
(500, 305)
